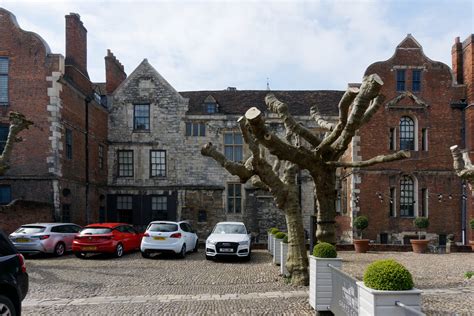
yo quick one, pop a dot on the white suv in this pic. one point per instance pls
(228, 239)
(164, 236)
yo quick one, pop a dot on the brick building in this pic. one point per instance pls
(62, 159)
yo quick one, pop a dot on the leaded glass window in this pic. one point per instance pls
(125, 163)
(234, 198)
(407, 133)
(407, 197)
(141, 117)
(158, 163)
(233, 146)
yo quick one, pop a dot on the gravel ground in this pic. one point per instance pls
(101, 277)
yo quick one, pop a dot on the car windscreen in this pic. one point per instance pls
(95, 231)
(30, 229)
(163, 227)
(229, 229)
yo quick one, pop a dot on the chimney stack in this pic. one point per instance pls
(114, 72)
(457, 57)
(76, 43)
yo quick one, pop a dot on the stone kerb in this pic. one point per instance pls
(375, 302)
(283, 256)
(320, 281)
(277, 251)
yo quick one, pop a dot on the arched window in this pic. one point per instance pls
(407, 197)
(407, 133)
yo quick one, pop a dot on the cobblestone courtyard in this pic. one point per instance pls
(194, 286)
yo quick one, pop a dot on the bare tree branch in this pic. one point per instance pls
(256, 182)
(235, 168)
(324, 124)
(399, 155)
(373, 107)
(275, 145)
(281, 108)
(18, 123)
(462, 164)
(369, 89)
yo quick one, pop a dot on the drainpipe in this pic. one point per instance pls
(87, 101)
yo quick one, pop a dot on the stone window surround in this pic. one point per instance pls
(159, 163)
(415, 196)
(145, 119)
(233, 146)
(195, 128)
(119, 164)
(415, 131)
(234, 198)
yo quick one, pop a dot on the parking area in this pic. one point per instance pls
(164, 284)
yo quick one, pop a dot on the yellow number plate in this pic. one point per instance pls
(89, 248)
(22, 240)
(159, 238)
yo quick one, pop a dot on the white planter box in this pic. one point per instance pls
(269, 241)
(271, 238)
(283, 256)
(277, 251)
(320, 281)
(375, 302)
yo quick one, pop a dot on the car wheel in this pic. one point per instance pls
(59, 249)
(119, 251)
(6, 306)
(195, 249)
(182, 253)
(145, 255)
(80, 255)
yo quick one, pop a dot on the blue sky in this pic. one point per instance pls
(210, 45)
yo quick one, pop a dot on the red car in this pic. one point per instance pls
(113, 238)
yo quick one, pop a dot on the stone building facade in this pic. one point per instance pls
(57, 162)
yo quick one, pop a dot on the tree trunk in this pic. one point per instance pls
(325, 192)
(297, 261)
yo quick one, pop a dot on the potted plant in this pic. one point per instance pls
(320, 293)
(284, 256)
(385, 283)
(271, 237)
(420, 245)
(361, 245)
(277, 253)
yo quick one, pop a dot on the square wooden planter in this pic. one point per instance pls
(375, 302)
(284, 256)
(277, 251)
(320, 281)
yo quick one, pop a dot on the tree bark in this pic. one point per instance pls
(325, 192)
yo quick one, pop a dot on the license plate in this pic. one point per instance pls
(89, 248)
(159, 238)
(22, 240)
(226, 250)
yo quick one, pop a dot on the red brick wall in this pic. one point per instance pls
(19, 213)
(114, 72)
(76, 43)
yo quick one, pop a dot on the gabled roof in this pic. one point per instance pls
(237, 102)
(409, 42)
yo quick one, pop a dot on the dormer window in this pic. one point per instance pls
(210, 105)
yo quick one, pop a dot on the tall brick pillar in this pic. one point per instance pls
(114, 72)
(76, 43)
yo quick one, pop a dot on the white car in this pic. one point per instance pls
(165, 236)
(228, 239)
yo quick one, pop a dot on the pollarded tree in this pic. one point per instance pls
(462, 165)
(321, 156)
(18, 122)
(280, 180)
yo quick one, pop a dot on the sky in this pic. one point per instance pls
(212, 45)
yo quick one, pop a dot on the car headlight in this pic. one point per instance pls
(210, 242)
(244, 243)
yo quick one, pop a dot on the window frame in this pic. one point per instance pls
(416, 84)
(120, 164)
(154, 209)
(9, 194)
(407, 191)
(165, 171)
(4, 143)
(135, 117)
(424, 139)
(401, 80)
(101, 156)
(211, 107)
(233, 146)
(407, 129)
(69, 143)
(195, 129)
(5, 74)
(232, 200)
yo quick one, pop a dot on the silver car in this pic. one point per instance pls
(55, 238)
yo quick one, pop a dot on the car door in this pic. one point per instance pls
(135, 237)
(192, 235)
(124, 237)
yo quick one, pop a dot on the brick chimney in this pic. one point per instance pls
(456, 57)
(114, 72)
(468, 67)
(76, 43)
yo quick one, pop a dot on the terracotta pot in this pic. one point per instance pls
(471, 242)
(361, 245)
(419, 245)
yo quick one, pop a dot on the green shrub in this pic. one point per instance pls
(274, 230)
(280, 235)
(469, 274)
(285, 239)
(388, 275)
(421, 222)
(472, 223)
(324, 250)
(361, 223)
(270, 229)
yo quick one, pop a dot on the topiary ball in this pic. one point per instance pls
(270, 229)
(421, 222)
(388, 275)
(273, 231)
(280, 235)
(324, 250)
(361, 222)
(285, 239)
